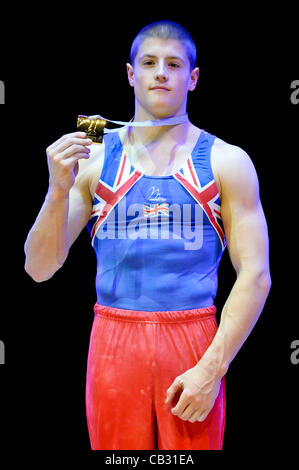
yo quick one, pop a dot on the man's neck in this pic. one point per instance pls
(152, 135)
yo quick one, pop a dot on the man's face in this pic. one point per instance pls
(161, 77)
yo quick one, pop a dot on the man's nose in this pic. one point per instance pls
(161, 72)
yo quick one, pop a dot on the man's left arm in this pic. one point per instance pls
(247, 240)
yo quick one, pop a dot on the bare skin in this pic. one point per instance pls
(162, 78)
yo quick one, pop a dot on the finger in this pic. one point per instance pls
(199, 415)
(189, 411)
(68, 143)
(79, 135)
(57, 142)
(73, 150)
(69, 162)
(203, 416)
(194, 417)
(184, 401)
(173, 389)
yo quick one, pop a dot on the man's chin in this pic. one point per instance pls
(162, 113)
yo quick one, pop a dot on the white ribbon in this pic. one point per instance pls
(160, 122)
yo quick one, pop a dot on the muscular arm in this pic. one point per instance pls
(59, 222)
(61, 219)
(247, 240)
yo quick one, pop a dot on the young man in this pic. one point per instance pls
(161, 203)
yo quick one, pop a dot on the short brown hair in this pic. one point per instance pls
(165, 30)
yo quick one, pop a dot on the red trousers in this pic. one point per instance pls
(133, 358)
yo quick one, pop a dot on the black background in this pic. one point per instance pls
(58, 63)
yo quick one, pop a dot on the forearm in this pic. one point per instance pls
(239, 315)
(46, 247)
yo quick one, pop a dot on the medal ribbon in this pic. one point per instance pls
(160, 122)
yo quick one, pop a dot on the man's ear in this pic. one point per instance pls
(130, 72)
(193, 79)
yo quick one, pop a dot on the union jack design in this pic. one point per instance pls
(155, 209)
(206, 196)
(106, 196)
(123, 176)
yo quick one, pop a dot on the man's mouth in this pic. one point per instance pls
(160, 87)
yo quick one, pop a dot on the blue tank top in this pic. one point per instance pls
(158, 239)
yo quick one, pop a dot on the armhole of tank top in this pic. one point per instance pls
(213, 138)
(107, 139)
(204, 147)
(106, 150)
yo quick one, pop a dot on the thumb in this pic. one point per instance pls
(173, 389)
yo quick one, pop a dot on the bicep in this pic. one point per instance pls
(243, 216)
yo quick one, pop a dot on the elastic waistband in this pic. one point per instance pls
(173, 316)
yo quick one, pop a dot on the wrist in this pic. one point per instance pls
(213, 361)
(57, 195)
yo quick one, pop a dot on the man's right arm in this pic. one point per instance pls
(66, 208)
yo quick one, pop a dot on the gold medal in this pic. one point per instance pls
(94, 128)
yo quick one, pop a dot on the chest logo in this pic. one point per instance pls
(154, 195)
(152, 210)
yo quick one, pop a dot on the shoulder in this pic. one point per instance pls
(233, 169)
(227, 156)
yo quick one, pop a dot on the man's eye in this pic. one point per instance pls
(174, 65)
(148, 62)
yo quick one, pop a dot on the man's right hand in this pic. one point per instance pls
(63, 156)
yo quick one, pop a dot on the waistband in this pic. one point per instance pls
(173, 316)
